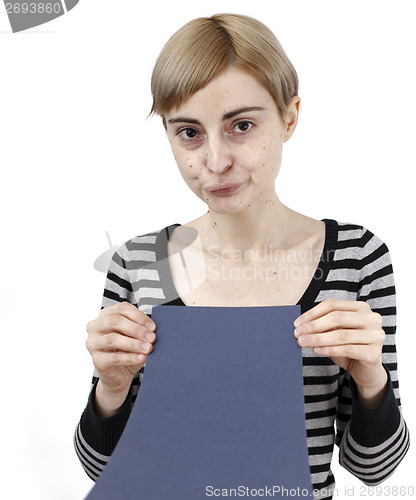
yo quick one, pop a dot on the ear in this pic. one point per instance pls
(291, 117)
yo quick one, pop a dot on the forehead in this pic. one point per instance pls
(232, 89)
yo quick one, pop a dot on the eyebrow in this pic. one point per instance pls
(226, 116)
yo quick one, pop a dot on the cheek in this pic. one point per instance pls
(185, 162)
(275, 157)
(188, 169)
(266, 162)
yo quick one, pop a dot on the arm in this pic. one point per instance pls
(359, 336)
(96, 437)
(376, 438)
(114, 344)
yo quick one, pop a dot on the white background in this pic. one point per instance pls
(79, 157)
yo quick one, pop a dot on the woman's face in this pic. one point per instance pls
(227, 141)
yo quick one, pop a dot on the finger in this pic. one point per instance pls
(106, 360)
(334, 320)
(364, 353)
(329, 305)
(116, 342)
(130, 312)
(342, 337)
(121, 324)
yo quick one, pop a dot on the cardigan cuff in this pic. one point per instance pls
(102, 434)
(371, 428)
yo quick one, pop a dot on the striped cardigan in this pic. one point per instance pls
(354, 265)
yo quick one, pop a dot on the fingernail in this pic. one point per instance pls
(150, 325)
(145, 346)
(299, 331)
(304, 341)
(149, 336)
(298, 322)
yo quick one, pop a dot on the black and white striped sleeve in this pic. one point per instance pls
(134, 275)
(373, 442)
(96, 437)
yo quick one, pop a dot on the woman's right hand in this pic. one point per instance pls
(118, 341)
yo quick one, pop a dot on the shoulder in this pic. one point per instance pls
(353, 234)
(144, 247)
(357, 241)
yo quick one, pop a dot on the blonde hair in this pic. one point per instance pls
(204, 47)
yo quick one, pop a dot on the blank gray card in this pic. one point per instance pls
(220, 410)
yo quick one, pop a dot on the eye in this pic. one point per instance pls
(187, 133)
(242, 127)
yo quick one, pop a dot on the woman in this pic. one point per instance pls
(227, 95)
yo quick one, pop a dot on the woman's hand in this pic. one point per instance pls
(118, 341)
(352, 335)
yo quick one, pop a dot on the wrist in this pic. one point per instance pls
(371, 396)
(108, 401)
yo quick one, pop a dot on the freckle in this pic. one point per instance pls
(190, 166)
(215, 223)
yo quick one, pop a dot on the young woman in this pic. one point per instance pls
(227, 95)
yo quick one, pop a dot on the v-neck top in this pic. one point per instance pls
(308, 298)
(354, 265)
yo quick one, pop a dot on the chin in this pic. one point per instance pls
(225, 208)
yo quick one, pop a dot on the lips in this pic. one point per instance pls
(223, 189)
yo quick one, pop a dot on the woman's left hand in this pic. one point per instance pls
(352, 335)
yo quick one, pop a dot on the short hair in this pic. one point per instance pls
(204, 47)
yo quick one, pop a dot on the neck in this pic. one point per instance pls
(256, 228)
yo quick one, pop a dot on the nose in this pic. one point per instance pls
(218, 156)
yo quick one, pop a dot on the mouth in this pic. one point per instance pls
(226, 189)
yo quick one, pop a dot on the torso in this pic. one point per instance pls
(237, 280)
